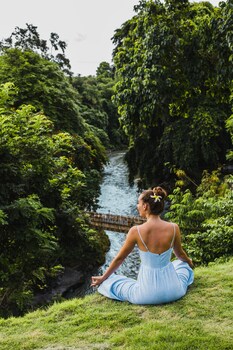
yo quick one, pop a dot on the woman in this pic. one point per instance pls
(159, 280)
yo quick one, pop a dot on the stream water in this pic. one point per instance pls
(117, 197)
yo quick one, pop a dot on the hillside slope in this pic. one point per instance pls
(203, 319)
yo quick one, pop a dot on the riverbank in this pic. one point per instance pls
(202, 320)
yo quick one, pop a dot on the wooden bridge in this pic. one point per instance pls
(117, 223)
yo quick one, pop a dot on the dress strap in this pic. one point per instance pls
(142, 239)
(174, 235)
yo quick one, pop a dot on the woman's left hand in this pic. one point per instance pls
(96, 280)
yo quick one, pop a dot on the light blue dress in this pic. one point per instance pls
(159, 280)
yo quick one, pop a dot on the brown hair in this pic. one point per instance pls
(155, 198)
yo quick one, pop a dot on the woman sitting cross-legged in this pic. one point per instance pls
(159, 280)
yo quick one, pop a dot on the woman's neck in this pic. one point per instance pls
(152, 217)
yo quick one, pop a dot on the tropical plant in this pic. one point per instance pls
(41, 83)
(205, 218)
(97, 107)
(28, 39)
(174, 72)
(43, 195)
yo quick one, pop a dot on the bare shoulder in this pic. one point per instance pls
(132, 231)
(177, 232)
(177, 228)
(172, 227)
(131, 237)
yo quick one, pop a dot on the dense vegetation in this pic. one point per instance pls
(68, 102)
(47, 181)
(206, 217)
(97, 107)
(52, 156)
(173, 64)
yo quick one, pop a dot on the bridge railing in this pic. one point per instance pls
(111, 222)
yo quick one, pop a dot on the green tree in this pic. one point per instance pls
(97, 107)
(226, 30)
(205, 218)
(229, 125)
(104, 70)
(28, 39)
(42, 84)
(44, 191)
(172, 89)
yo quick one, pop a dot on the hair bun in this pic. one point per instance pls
(159, 191)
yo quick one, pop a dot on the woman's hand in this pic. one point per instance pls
(117, 261)
(191, 264)
(96, 281)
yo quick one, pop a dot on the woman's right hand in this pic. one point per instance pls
(96, 281)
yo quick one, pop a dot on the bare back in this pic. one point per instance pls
(156, 236)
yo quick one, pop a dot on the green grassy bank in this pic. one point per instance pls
(203, 319)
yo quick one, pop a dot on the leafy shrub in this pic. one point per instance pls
(206, 218)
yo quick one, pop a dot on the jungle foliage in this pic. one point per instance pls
(51, 167)
(28, 39)
(205, 218)
(47, 180)
(97, 107)
(44, 80)
(173, 64)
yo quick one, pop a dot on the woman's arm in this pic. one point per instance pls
(118, 260)
(178, 250)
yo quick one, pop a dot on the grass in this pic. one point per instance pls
(202, 320)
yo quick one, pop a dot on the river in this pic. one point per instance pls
(116, 197)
